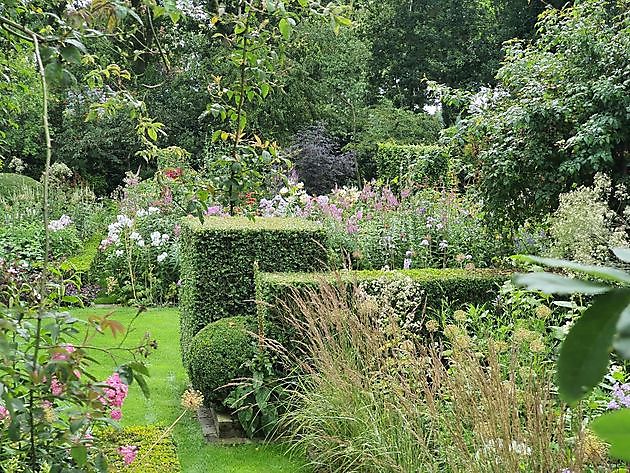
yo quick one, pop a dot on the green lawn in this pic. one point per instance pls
(168, 380)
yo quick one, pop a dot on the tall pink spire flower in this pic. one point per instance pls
(128, 452)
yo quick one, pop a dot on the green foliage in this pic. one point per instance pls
(584, 355)
(12, 185)
(82, 262)
(163, 455)
(384, 123)
(430, 287)
(417, 164)
(559, 114)
(218, 354)
(218, 259)
(27, 242)
(584, 227)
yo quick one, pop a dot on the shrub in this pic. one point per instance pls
(12, 184)
(428, 287)
(584, 228)
(217, 355)
(162, 458)
(418, 163)
(26, 242)
(218, 257)
(319, 161)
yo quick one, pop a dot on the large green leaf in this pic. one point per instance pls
(614, 428)
(623, 254)
(584, 355)
(622, 339)
(601, 272)
(555, 284)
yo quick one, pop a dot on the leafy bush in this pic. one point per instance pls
(161, 459)
(217, 355)
(26, 242)
(584, 228)
(12, 184)
(558, 115)
(420, 164)
(319, 162)
(218, 258)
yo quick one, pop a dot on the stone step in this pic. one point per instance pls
(219, 427)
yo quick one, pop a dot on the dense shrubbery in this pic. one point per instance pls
(412, 164)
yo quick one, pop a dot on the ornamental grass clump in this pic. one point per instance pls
(376, 400)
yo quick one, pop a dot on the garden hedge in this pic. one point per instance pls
(424, 164)
(217, 355)
(12, 184)
(457, 286)
(217, 264)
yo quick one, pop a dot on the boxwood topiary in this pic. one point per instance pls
(217, 264)
(218, 354)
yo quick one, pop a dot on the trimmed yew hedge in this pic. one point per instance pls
(218, 258)
(457, 286)
(424, 164)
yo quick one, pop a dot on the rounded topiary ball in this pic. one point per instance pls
(218, 354)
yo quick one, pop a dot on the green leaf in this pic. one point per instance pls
(622, 340)
(264, 89)
(79, 454)
(614, 428)
(556, 284)
(54, 73)
(142, 382)
(601, 272)
(101, 463)
(152, 134)
(71, 54)
(584, 354)
(285, 28)
(623, 254)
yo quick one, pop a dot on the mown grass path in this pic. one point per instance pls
(168, 380)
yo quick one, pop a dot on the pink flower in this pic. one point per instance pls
(177, 229)
(56, 386)
(116, 414)
(128, 452)
(4, 413)
(215, 210)
(115, 392)
(64, 352)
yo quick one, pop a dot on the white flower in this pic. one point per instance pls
(520, 448)
(161, 257)
(141, 213)
(156, 238)
(439, 226)
(124, 221)
(153, 210)
(165, 237)
(140, 242)
(60, 224)
(284, 190)
(119, 253)
(443, 245)
(424, 243)
(135, 236)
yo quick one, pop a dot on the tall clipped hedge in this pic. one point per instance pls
(217, 264)
(458, 286)
(425, 164)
